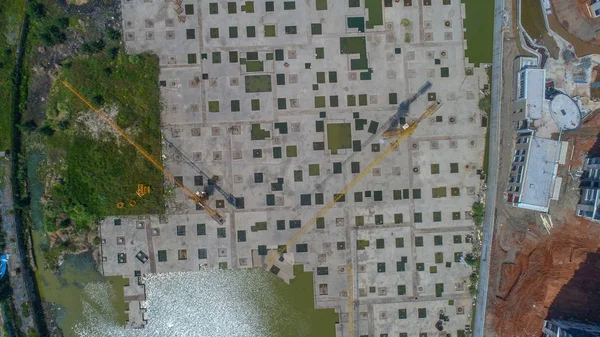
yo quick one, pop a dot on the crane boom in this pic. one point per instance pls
(401, 134)
(390, 124)
(196, 198)
(232, 200)
(410, 128)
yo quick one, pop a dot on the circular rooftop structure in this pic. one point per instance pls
(565, 112)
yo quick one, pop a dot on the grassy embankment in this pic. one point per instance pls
(90, 168)
(99, 168)
(11, 17)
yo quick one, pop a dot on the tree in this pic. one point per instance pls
(37, 10)
(113, 52)
(46, 130)
(29, 126)
(62, 22)
(52, 35)
(63, 124)
(98, 100)
(65, 223)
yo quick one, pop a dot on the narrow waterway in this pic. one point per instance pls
(211, 303)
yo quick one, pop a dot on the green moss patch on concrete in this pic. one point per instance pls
(255, 66)
(355, 45)
(479, 24)
(339, 136)
(257, 133)
(375, 8)
(258, 83)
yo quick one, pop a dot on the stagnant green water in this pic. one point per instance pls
(204, 303)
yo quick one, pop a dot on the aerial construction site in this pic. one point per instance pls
(343, 138)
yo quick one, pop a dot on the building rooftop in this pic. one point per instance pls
(538, 184)
(565, 112)
(535, 79)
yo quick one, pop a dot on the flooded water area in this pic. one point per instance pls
(236, 303)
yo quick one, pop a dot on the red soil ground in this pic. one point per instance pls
(543, 266)
(535, 274)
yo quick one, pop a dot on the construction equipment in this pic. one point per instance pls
(142, 190)
(405, 131)
(391, 133)
(199, 198)
(211, 180)
(401, 134)
(404, 106)
(391, 124)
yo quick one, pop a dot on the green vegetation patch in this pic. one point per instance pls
(375, 8)
(118, 284)
(100, 169)
(270, 31)
(439, 192)
(291, 151)
(314, 169)
(257, 133)
(439, 289)
(362, 244)
(355, 45)
(339, 136)
(254, 66)
(257, 83)
(11, 16)
(319, 101)
(479, 24)
(248, 7)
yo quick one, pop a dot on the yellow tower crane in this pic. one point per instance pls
(401, 133)
(199, 197)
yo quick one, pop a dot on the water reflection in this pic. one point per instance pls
(236, 303)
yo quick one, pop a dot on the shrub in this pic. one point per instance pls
(93, 47)
(113, 34)
(478, 213)
(52, 35)
(472, 260)
(485, 103)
